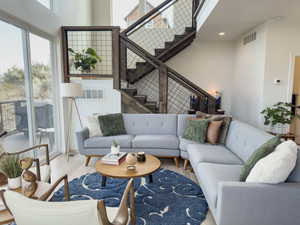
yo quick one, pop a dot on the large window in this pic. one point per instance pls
(26, 89)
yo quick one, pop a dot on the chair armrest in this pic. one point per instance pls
(122, 217)
(37, 161)
(81, 136)
(242, 203)
(45, 196)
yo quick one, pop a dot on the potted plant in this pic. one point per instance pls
(10, 166)
(115, 148)
(85, 60)
(279, 116)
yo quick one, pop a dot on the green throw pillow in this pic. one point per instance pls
(260, 153)
(112, 124)
(196, 130)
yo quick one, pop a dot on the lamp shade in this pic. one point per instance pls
(71, 90)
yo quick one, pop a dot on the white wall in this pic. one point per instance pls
(209, 65)
(283, 39)
(247, 84)
(101, 12)
(38, 18)
(259, 63)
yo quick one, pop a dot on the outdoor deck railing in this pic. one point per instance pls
(8, 118)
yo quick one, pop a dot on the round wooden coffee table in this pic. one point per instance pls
(142, 169)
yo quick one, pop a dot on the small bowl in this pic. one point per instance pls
(131, 167)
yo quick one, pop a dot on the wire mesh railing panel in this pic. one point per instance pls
(149, 86)
(132, 59)
(163, 26)
(178, 98)
(100, 41)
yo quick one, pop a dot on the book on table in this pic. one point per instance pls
(114, 159)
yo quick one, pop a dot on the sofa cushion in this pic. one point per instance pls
(210, 175)
(112, 124)
(183, 143)
(196, 130)
(243, 139)
(260, 153)
(295, 175)
(105, 142)
(155, 141)
(211, 154)
(141, 124)
(182, 123)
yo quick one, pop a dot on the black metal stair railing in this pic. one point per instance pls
(172, 89)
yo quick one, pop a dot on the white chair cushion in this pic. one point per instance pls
(276, 167)
(45, 172)
(32, 212)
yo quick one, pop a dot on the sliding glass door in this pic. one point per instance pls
(27, 110)
(42, 91)
(13, 93)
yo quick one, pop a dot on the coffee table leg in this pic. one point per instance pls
(103, 181)
(150, 178)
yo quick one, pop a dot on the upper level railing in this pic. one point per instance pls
(161, 25)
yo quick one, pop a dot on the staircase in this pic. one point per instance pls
(147, 83)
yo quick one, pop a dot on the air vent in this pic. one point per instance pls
(249, 38)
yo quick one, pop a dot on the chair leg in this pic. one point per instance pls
(176, 161)
(186, 163)
(87, 160)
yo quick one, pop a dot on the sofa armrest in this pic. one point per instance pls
(81, 136)
(242, 203)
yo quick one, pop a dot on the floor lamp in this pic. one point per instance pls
(70, 91)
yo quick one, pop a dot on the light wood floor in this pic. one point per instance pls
(75, 168)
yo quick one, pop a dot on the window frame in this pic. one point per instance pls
(26, 30)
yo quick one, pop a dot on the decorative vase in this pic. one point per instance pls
(14, 183)
(131, 160)
(115, 149)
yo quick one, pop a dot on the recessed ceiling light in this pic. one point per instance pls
(221, 34)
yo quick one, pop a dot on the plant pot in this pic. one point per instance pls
(280, 129)
(115, 149)
(14, 183)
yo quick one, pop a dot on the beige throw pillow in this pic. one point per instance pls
(213, 132)
(94, 126)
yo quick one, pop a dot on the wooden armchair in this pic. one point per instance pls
(43, 174)
(70, 213)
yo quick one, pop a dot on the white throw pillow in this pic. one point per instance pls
(94, 126)
(276, 167)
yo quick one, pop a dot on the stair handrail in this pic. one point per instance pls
(171, 73)
(146, 16)
(198, 9)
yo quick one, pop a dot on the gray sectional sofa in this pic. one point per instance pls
(217, 167)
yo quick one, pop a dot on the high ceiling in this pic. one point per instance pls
(237, 17)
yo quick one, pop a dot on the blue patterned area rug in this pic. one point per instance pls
(171, 199)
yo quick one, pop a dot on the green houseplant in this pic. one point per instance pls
(85, 60)
(10, 166)
(280, 115)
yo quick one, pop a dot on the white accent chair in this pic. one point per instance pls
(92, 212)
